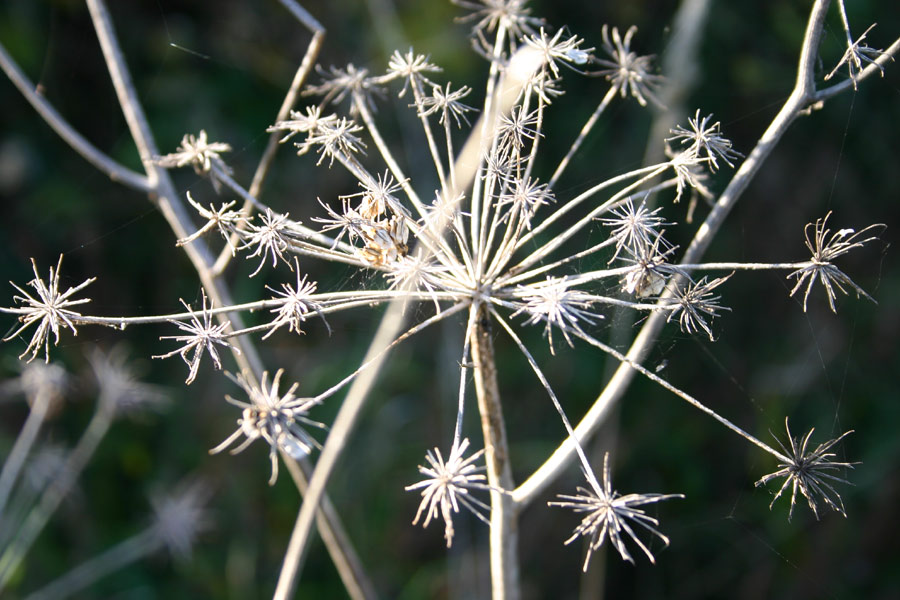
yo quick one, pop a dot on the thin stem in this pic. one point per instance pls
(338, 438)
(290, 98)
(57, 490)
(589, 473)
(360, 104)
(24, 441)
(122, 554)
(504, 528)
(165, 196)
(57, 123)
(653, 171)
(163, 191)
(486, 135)
(559, 239)
(429, 135)
(876, 67)
(346, 560)
(582, 135)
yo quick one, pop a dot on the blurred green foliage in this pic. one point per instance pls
(222, 67)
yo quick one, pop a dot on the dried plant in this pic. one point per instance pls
(494, 249)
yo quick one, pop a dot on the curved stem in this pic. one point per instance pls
(57, 123)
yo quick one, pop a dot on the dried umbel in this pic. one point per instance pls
(481, 239)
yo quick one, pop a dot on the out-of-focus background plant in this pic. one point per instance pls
(223, 67)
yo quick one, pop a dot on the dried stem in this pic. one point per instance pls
(60, 486)
(24, 441)
(504, 524)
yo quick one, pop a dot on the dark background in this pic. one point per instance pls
(770, 359)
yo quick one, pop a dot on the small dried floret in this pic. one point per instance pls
(385, 241)
(410, 67)
(810, 473)
(121, 389)
(611, 515)
(695, 304)
(200, 154)
(337, 83)
(414, 273)
(268, 238)
(514, 129)
(303, 123)
(558, 305)
(44, 382)
(349, 221)
(180, 515)
(525, 198)
(687, 165)
(651, 269)
(224, 219)
(824, 250)
(447, 102)
(544, 87)
(856, 55)
(635, 228)
(706, 138)
(490, 14)
(297, 304)
(378, 197)
(50, 310)
(273, 417)
(335, 139)
(201, 336)
(558, 51)
(628, 73)
(448, 484)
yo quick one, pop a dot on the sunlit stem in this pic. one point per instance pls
(493, 208)
(559, 239)
(360, 104)
(538, 128)
(486, 137)
(546, 384)
(429, 135)
(581, 136)
(549, 266)
(564, 208)
(465, 366)
(451, 165)
(503, 530)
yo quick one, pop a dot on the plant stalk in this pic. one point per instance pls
(504, 527)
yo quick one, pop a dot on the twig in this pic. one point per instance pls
(91, 153)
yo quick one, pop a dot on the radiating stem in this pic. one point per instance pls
(504, 528)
